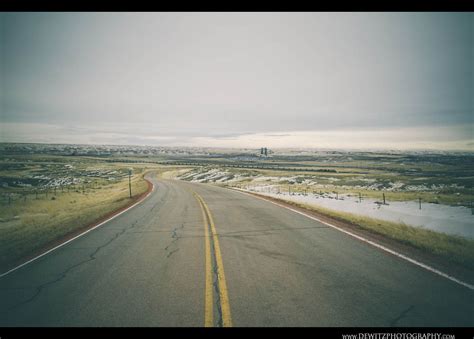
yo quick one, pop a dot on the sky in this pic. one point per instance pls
(331, 80)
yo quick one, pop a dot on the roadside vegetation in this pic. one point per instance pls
(58, 198)
(443, 188)
(48, 191)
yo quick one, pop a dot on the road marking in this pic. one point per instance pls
(208, 312)
(79, 235)
(223, 295)
(386, 249)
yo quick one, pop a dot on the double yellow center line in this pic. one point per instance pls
(223, 306)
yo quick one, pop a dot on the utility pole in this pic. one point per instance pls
(130, 181)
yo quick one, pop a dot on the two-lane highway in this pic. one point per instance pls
(199, 255)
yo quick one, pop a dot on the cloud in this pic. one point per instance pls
(226, 74)
(455, 137)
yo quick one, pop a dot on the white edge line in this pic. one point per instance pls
(77, 236)
(404, 257)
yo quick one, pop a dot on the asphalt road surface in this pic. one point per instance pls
(198, 255)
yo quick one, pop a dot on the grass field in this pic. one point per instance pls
(443, 188)
(47, 191)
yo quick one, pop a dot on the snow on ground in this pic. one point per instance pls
(210, 175)
(455, 220)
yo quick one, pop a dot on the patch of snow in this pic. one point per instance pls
(454, 220)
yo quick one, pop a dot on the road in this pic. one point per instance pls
(199, 255)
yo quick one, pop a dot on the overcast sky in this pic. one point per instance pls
(395, 80)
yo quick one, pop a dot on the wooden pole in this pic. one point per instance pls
(130, 182)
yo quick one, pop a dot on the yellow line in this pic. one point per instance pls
(208, 312)
(224, 298)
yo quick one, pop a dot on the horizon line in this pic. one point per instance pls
(250, 148)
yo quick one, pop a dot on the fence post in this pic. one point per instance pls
(419, 199)
(383, 194)
(360, 198)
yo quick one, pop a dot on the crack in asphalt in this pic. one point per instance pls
(215, 283)
(172, 252)
(280, 256)
(62, 275)
(175, 237)
(92, 256)
(401, 315)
